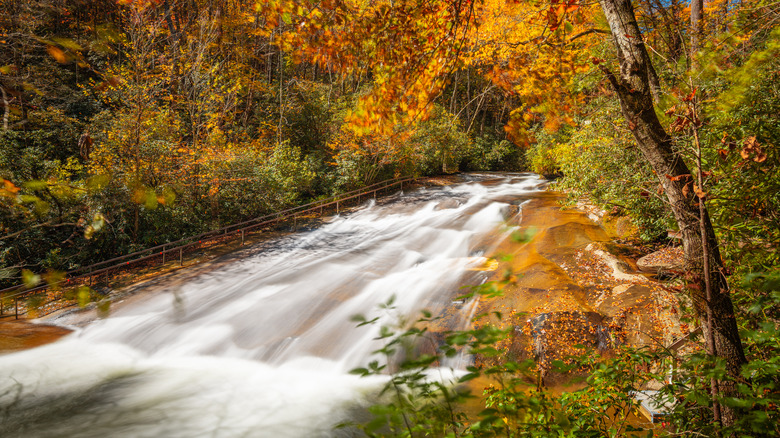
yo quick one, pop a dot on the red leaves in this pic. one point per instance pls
(552, 18)
(677, 177)
(689, 97)
(557, 12)
(679, 124)
(684, 120)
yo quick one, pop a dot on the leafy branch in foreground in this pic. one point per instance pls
(426, 396)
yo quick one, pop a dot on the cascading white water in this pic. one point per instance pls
(262, 346)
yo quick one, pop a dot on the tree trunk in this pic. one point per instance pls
(633, 87)
(697, 11)
(6, 108)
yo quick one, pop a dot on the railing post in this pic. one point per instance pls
(16, 305)
(181, 263)
(337, 207)
(2, 305)
(242, 237)
(163, 254)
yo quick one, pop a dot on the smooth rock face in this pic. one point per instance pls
(16, 335)
(447, 203)
(667, 259)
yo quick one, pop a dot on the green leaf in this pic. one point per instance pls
(67, 43)
(30, 279)
(36, 185)
(97, 182)
(467, 377)
(359, 371)
(84, 296)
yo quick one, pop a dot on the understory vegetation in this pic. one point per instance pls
(598, 398)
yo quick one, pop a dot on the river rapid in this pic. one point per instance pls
(262, 346)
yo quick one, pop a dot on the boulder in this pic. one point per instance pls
(665, 260)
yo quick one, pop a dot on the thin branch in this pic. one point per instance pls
(45, 224)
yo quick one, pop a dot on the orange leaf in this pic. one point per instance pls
(690, 97)
(57, 54)
(699, 192)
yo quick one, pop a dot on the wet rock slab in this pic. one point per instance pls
(572, 290)
(16, 335)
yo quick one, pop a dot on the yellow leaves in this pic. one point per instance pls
(7, 69)
(98, 221)
(68, 43)
(97, 182)
(147, 197)
(30, 279)
(485, 264)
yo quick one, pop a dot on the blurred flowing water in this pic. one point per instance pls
(263, 346)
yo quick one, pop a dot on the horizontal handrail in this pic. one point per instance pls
(186, 242)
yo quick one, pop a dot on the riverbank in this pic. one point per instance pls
(571, 285)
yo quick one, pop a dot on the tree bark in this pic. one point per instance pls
(6, 108)
(697, 12)
(634, 89)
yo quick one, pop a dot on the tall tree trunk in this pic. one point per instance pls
(633, 87)
(697, 11)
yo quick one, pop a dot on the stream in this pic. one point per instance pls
(262, 346)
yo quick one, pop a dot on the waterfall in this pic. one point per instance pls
(263, 346)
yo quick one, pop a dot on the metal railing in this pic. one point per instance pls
(10, 297)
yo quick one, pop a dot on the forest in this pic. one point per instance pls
(131, 123)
